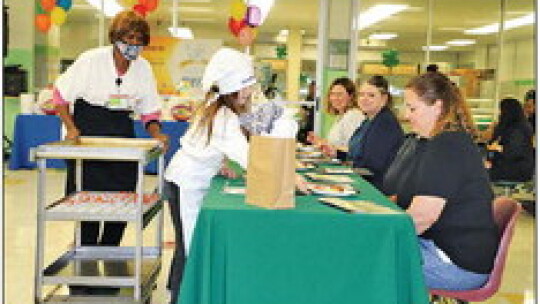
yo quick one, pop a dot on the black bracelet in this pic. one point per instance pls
(151, 122)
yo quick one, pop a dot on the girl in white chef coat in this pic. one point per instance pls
(213, 135)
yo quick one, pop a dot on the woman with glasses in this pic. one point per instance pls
(342, 104)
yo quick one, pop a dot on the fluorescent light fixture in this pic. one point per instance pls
(435, 48)
(283, 33)
(461, 42)
(383, 36)
(181, 32)
(110, 7)
(377, 13)
(509, 24)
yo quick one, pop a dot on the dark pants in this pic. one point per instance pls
(179, 257)
(101, 176)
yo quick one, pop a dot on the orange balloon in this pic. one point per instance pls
(48, 5)
(43, 22)
(246, 36)
(150, 5)
(140, 9)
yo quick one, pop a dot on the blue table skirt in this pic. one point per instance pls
(33, 130)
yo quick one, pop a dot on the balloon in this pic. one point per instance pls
(141, 9)
(128, 3)
(65, 4)
(43, 22)
(48, 5)
(238, 9)
(264, 6)
(253, 16)
(236, 25)
(246, 35)
(58, 15)
(150, 5)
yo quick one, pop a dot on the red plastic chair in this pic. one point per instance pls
(506, 211)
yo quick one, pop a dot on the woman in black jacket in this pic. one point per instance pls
(376, 141)
(512, 157)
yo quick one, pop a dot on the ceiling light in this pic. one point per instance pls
(377, 13)
(181, 32)
(110, 7)
(435, 48)
(383, 36)
(461, 42)
(509, 24)
(283, 33)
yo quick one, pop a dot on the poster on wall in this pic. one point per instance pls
(179, 64)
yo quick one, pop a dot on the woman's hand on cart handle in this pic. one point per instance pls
(164, 139)
(73, 134)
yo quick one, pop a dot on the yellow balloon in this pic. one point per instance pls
(238, 9)
(58, 15)
(128, 3)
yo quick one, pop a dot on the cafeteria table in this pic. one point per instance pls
(32, 130)
(310, 254)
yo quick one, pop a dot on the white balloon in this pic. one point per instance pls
(263, 5)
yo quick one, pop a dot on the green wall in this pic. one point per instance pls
(11, 108)
(24, 58)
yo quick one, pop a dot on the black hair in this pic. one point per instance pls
(432, 68)
(511, 115)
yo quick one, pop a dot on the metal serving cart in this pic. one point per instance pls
(135, 267)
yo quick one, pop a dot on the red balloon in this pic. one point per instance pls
(140, 9)
(236, 25)
(48, 5)
(150, 5)
(43, 22)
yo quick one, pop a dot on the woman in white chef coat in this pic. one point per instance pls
(96, 96)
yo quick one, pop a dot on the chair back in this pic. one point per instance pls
(505, 211)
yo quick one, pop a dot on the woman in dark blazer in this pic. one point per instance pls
(376, 141)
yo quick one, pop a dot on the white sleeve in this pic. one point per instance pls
(71, 84)
(350, 122)
(151, 101)
(228, 138)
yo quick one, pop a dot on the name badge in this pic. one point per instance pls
(119, 102)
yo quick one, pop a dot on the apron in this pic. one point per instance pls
(103, 175)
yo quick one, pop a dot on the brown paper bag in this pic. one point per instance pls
(271, 172)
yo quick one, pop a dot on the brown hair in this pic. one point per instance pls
(381, 84)
(351, 90)
(455, 114)
(126, 22)
(208, 113)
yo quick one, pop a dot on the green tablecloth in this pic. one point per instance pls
(312, 254)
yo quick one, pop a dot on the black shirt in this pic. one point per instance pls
(449, 166)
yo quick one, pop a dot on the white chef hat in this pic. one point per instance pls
(230, 70)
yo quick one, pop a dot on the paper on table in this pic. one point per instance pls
(356, 206)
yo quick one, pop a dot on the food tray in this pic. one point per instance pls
(105, 148)
(329, 178)
(332, 189)
(87, 205)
